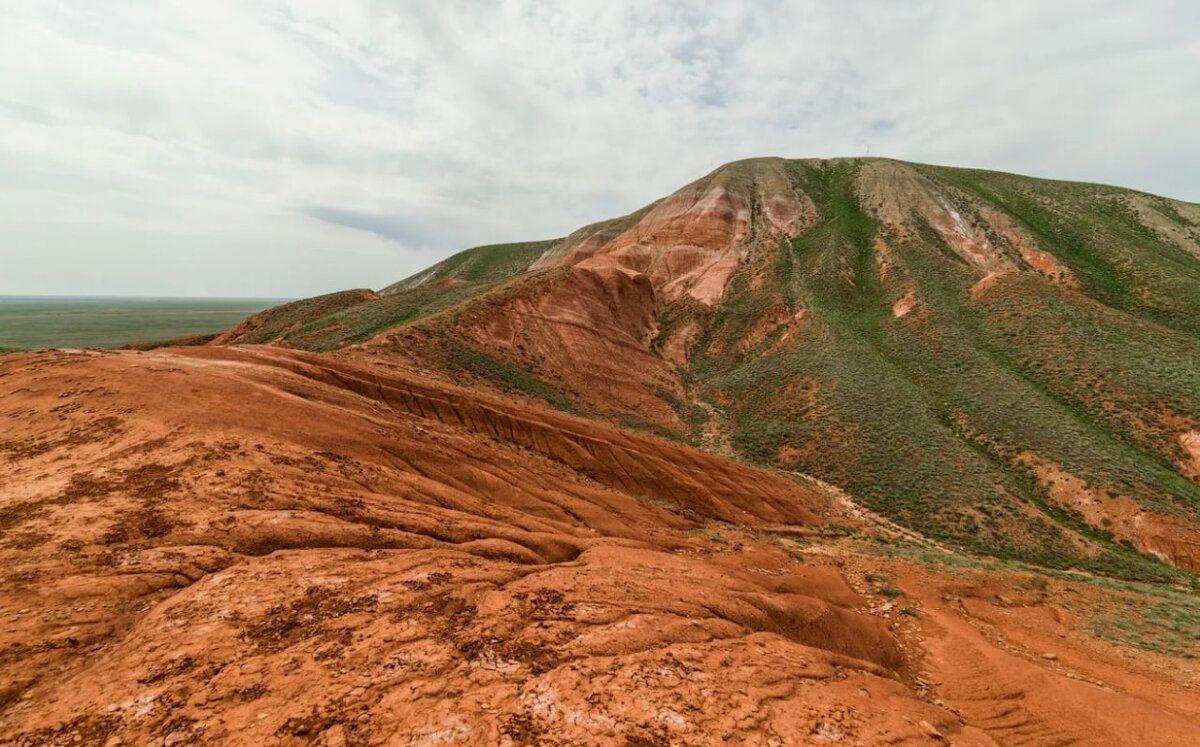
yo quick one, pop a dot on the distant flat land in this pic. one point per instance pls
(28, 322)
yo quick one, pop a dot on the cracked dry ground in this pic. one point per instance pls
(254, 546)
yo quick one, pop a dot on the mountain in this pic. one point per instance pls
(808, 451)
(1005, 363)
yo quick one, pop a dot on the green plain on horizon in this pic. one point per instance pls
(29, 322)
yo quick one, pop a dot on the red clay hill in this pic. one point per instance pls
(809, 452)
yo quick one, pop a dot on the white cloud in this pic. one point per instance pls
(287, 148)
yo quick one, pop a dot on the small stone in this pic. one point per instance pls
(334, 736)
(931, 731)
(192, 572)
(1050, 657)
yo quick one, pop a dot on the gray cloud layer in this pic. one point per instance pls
(278, 147)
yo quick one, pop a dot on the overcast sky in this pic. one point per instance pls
(287, 148)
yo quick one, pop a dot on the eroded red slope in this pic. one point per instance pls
(258, 546)
(246, 546)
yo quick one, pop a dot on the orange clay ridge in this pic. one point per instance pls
(763, 463)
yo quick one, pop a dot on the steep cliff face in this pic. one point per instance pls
(690, 244)
(580, 337)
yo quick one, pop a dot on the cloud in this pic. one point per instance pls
(389, 227)
(290, 147)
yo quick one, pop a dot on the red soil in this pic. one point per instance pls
(690, 244)
(1172, 539)
(586, 331)
(258, 546)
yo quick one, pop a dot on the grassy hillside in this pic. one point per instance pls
(930, 418)
(277, 322)
(1106, 235)
(348, 318)
(481, 264)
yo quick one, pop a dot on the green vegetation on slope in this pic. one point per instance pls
(471, 361)
(481, 264)
(923, 418)
(361, 321)
(1169, 624)
(1095, 230)
(275, 322)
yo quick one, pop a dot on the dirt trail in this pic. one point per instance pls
(1014, 665)
(859, 513)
